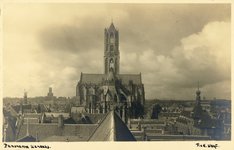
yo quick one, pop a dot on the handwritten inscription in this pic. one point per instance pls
(207, 145)
(26, 146)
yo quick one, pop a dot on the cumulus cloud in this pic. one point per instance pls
(172, 50)
(203, 57)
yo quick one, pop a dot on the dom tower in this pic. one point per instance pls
(101, 93)
(111, 49)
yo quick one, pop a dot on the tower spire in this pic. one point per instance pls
(198, 84)
(198, 92)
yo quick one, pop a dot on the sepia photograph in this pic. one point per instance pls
(127, 72)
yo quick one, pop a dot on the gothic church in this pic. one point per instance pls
(100, 93)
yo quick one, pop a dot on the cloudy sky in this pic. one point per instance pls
(173, 46)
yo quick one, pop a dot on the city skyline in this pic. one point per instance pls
(173, 46)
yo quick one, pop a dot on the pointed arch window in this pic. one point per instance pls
(111, 47)
(111, 35)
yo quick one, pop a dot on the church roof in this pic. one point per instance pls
(136, 78)
(97, 78)
(112, 128)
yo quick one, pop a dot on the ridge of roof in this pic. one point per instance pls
(98, 126)
(112, 128)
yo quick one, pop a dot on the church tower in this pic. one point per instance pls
(111, 49)
(25, 98)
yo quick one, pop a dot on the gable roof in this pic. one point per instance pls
(17, 107)
(27, 138)
(77, 109)
(87, 118)
(112, 128)
(185, 113)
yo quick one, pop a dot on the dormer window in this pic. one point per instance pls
(191, 114)
(199, 121)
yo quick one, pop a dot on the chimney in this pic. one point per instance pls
(123, 115)
(139, 126)
(60, 121)
(163, 130)
(43, 118)
(36, 137)
(5, 133)
(21, 109)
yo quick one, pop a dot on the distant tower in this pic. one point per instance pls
(111, 49)
(198, 98)
(25, 98)
(50, 95)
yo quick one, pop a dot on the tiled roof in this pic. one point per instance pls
(32, 115)
(87, 118)
(185, 113)
(188, 109)
(94, 118)
(43, 108)
(92, 78)
(65, 139)
(136, 78)
(43, 131)
(7, 114)
(197, 111)
(77, 110)
(27, 138)
(166, 114)
(69, 121)
(112, 128)
(65, 115)
(205, 122)
(147, 121)
(97, 78)
(17, 107)
(181, 120)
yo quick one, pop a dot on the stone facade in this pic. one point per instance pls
(100, 93)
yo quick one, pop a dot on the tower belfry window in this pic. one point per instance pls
(111, 47)
(111, 35)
